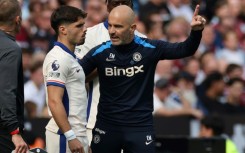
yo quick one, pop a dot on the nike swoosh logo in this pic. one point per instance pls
(110, 60)
(148, 142)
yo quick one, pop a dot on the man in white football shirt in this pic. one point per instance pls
(65, 85)
(95, 36)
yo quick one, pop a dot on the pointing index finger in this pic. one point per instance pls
(196, 10)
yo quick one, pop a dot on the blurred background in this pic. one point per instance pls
(186, 91)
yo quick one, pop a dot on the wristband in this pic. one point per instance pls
(70, 135)
(15, 132)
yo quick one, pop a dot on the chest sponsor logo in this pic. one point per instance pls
(129, 72)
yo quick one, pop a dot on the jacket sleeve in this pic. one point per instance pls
(88, 62)
(167, 50)
(10, 67)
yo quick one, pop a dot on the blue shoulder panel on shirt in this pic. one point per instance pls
(61, 45)
(102, 48)
(106, 24)
(142, 42)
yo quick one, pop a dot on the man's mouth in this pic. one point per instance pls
(114, 38)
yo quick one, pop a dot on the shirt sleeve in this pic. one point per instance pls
(167, 50)
(57, 72)
(10, 68)
(88, 62)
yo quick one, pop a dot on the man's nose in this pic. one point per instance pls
(112, 30)
(85, 28)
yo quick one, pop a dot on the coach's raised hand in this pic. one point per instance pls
(198, 22)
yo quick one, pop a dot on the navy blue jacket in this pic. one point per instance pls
(126, 76)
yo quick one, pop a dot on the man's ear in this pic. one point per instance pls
(62, 30)
(133, 28)
(18, 20)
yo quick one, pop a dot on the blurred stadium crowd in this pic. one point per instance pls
(211, 82)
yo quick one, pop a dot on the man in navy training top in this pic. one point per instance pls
(126, 67)
(95, 36)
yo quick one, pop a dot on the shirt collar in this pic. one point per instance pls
(65, 48)
(106, 24)
(6, 34)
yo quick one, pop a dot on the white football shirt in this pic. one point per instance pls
(62, 69)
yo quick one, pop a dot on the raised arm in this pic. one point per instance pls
(167, 50)
(198, 22)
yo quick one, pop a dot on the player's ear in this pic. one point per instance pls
(18, 20)
(62, 30)
(133, 28)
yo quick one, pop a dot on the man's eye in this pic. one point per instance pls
(79, 26)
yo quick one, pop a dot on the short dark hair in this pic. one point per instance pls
(211, 78)
(185, 76)
(147, 19)
(162, 83)
(9, 10)
(214, 122)
(65, 15)
(231, 67)
(234, 80)
(129, 1)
